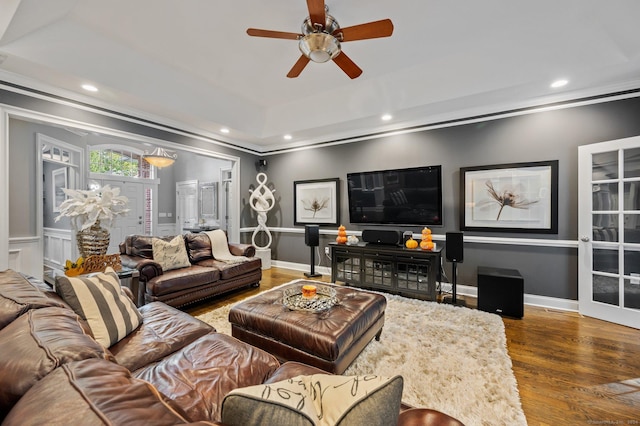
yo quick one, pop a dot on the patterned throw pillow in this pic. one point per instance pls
(99, 300)
(170, 255)
(317, 400)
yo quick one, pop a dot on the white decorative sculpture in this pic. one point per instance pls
(261, 201)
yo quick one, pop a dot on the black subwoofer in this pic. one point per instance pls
(501, 291)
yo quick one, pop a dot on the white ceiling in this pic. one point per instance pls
(190, 63)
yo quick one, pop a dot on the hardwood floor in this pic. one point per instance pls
(571, 370)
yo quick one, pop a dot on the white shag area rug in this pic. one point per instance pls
(452, 359)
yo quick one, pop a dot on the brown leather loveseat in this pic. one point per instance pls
(172, 369)
(205, 277)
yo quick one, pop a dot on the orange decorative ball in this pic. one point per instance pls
(426, 245)
(342, 235)
(411, 243)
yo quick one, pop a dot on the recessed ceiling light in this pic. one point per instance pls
(224, 130)
(288, 137)
(559, 83)
(89, 87)
(386, 117)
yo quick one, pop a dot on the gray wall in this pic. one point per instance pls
(22, 141)
(537, 136)
(531, 137)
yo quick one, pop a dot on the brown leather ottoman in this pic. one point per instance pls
(329, 340)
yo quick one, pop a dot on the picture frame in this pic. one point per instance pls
(515, 197)
(316, 202)
(58, 182)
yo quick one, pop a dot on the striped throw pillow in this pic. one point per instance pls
(99, 300)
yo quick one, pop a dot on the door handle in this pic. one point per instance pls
(585, 239)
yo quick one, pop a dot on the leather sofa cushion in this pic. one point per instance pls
(232, 270)
(93, 392)
(18, 295)
(292, 369)
(182, 279)
(142, 245)
(199, 376)
(198, 246)
(163, 331)
(37, 343)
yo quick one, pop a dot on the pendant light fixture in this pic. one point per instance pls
(160, 157)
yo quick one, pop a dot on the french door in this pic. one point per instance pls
(134, 221)
(609, 231)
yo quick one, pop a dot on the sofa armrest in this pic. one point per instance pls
(148, 268)
(426, 417)
(239, 249)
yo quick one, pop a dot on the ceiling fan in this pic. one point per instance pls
(321, 37)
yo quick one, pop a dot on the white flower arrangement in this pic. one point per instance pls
(86, 207)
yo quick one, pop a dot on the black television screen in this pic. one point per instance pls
(403, 196)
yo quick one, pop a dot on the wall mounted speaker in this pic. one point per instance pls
(312, 235)
(381, 236)
(454, 247)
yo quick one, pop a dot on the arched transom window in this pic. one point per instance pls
(118, 161)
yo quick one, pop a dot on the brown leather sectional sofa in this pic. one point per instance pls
(205, 278)
(173, 369)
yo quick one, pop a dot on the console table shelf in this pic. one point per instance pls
(397, 270)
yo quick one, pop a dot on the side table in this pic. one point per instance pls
(130, 278)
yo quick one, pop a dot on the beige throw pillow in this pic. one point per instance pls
(170, 255)
(317, 400)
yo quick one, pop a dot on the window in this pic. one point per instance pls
(118, 161)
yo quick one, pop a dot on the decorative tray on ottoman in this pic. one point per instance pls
(324, 299)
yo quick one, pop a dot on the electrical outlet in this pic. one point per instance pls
(326, 251)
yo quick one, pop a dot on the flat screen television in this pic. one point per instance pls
(411, 196)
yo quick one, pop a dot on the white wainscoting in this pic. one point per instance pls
(25, 256)
(57, 247)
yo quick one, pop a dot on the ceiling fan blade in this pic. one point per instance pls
(298, 67)
(347, 65)
(377, 29)
(273, 34)
(317, 11)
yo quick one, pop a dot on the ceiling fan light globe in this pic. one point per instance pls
(319, 47)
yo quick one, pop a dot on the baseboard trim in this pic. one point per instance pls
(529, 299)
(463, 290)
(324, 270)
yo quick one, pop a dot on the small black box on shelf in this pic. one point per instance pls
(501, 291)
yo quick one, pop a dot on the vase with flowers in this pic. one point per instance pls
(88, 211)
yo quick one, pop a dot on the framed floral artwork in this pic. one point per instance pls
(316, 202)
(517, 197)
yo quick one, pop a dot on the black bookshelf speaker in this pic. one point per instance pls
(454, 247)
(312, 235)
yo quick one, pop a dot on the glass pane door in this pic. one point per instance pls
(609, 227)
